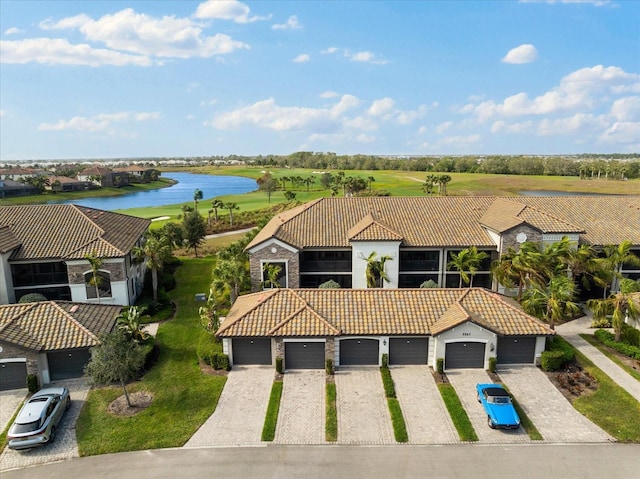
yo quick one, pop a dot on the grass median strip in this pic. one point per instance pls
(610, 406)
(331, 419)
(458, 414)
(397, 419)
(271, 418)
(611, 354)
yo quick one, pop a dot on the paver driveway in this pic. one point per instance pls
(302, 408)
(65, 445)
(239, 415)
(552, 414)
(363, 414)
(464, 382)
(426, 416)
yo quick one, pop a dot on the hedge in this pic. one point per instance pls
(608, 339)
(558, 353)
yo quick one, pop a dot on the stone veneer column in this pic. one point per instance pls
(273, 254)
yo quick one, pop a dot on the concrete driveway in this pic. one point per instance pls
(65, 445)
(426, 416)
(239, 416)
(464, 382)
(301, 418)
(10, 401)
(363, 414)
(548, 409)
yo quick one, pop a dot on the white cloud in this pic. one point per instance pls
(526, 53)
(2, 113)
(625, 133)
(595, 3)
(461, 140)
(291, 24)
(444, 126)
(98, 122)
(61, 52)
(362, 138)
(329, 51)
(166, 37)
(13, 31)
(231, 10)
(502, 126)
(582, 123)
(381, 107)
(626, 109)
(364, 57)
(328, 94)
(302, 58)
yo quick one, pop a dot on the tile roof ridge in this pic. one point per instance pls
(500, 297)
(259, 303)
(305, 306)
(74, 321)
(550, 215)
(84, 215)
(29, 307)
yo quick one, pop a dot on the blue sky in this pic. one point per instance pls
(114, 79)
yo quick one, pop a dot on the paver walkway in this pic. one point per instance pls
(551, 413)
(464, 382)
(426, 416)
(9, 403)
(65, 445)
(363, 414)
(302, 408)
(572, 330)
(239, 415)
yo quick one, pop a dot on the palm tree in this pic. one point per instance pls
(155, 252)
(197, 196)
(622, 305)
(270, 273)
(216, 205)
(309, 180)
(95, 262)
(443, 180)
(231, 206)
(375, 272)
(467, 263)
(229, 274)
(521, 268)
(370, 180)
(553, 302)
(615, 257)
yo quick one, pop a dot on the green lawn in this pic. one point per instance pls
(183, 396)
(611, 354)
(331, 419)
(271, 417)
(458, 415)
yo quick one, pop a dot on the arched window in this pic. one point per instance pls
(103, 280)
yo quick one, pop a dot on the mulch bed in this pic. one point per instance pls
(208, 370)
(140, 401)
(573, 381)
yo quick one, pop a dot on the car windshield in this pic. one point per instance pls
(26, 427)
(499, 399)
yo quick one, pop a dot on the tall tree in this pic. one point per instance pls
(230, 206)
(229, 274)
(375, 271)
(197, 196)
(115, 359)
(521, 268)
(195, 230)
(270, 274)
(155, 252)
(216, 205)
(621, 305)
(553, 302)
(96, 263)
(267, 184)
(467, 262)
(615, 257)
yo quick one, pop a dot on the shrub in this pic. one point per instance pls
(328, 367)
(271, 417)
(397, 420)
(493, 363)
(223, 362)
(331, 284)
(279, 365)
(387, 382)
(440, 365)
(385, 360)
(601, 323)
(551, 360)
(608, 339)
(32, 383)
(32, 298)
(152, 353)
(429, 284)
(630, 335)
(331, 419)
(206, 350)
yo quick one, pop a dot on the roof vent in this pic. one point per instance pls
(74, 308)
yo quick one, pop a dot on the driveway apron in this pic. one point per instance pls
(548, 409)
(363, 414)
(65, 446)
(239, 416)
(302, 408)
(464, 382)
(426, 416)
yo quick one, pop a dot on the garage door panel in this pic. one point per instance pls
(13, 375)
(516, 350)
(408, 350)
(67, 364)
(304, 355)
(251, 351)
(464, 355)
(359, 352)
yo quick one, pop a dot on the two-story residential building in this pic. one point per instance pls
(44, 249)
(102, 176)
(333, 238)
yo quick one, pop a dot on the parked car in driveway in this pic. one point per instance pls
(39, 418)
(498, 406)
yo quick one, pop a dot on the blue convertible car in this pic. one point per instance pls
(498, 406)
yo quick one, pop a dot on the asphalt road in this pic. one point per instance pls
(612, 461)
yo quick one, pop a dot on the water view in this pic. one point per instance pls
(181, 192)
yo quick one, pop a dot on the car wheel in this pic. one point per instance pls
(478, 397)
(491, 425)
(68, 405)
(52, 436)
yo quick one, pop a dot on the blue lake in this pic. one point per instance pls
(181, 192)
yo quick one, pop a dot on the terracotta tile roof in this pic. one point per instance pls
(95, 171)
(455, 221)
(52, 326)
(8, 240)
(326, 312)
(70, 231)
(368, 229)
